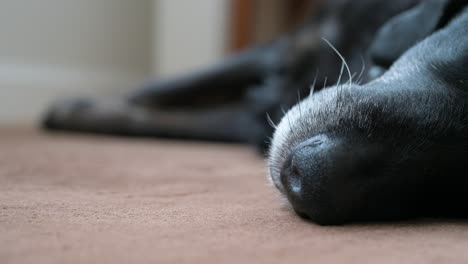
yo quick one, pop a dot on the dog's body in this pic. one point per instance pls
(391, 148)
(230, 101)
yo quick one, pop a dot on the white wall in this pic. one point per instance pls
(188, 34)
(52, 48)
(55, 48)
(85, 33)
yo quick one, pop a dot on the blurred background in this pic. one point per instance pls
(55, 48)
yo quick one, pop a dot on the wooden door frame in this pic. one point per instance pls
(242, 17)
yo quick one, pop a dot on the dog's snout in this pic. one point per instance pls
(304, 172)
(316, 174)
(298, 166)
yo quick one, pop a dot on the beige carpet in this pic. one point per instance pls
(84, 199)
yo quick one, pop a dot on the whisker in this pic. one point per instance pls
(312, 87)
(341, 74)
(270, 121)
(341, 57)
(340, 93)
(287, 116)
(282, 110)
(352, 76)
(299, 103)
(363, 68)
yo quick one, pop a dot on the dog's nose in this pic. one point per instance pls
(316, 176)
(302, 173)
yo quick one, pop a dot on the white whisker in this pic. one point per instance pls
(352, 76)
(363, 68)
(287, 116)
(341, 74)
(270, 121)
(342, 59)
(312, 87)
(299, 103)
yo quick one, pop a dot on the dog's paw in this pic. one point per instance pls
(64, 111)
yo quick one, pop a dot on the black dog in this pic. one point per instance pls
(230, 101)
(388, 149)
(394, 147)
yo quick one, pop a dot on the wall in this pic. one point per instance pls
(188, 34)
(55, 48)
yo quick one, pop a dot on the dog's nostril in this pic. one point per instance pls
(294, 180)
(305, 172)
(317, 175)
(298, 166)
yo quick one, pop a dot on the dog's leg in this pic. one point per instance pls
(227, 123)
(228, 80)
(204, 105)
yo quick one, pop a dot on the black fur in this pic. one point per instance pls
(389, 149)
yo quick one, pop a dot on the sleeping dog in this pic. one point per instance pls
(391, 148)
(384, 142)
(230, 101)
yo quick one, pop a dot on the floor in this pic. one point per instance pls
(93, 199)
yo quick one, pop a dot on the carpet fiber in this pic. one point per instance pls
(90, 199)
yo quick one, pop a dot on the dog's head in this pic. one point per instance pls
(387, 149)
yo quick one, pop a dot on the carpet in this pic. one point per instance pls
(69, 198)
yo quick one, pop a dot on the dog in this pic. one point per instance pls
(386, 141)
(394, 147)
(231, 101)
